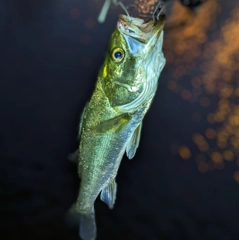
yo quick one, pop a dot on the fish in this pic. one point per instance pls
(111, 121)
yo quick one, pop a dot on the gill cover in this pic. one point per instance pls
(132, 80)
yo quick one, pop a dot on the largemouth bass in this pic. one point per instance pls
(111, 121)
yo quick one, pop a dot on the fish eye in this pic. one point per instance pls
(118, 54)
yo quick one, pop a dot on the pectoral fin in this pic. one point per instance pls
(134, 142)
(108, 194)
(114, 124)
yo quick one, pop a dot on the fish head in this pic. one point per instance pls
(133, 59)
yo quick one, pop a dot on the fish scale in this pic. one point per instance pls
(112, 119)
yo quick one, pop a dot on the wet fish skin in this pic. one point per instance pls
(111, 121)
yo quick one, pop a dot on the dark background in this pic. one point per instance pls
(182, 183)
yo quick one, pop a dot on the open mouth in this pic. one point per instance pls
(138, 29)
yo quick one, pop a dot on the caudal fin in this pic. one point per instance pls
(88, 226)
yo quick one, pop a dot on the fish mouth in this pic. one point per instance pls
(138, 29)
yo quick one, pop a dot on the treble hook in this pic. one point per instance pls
(158, 10)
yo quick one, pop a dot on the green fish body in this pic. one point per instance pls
(112, 119)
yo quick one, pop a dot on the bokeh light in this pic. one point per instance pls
(213, 63)
(184, 152)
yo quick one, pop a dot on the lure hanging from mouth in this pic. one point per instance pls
(111, 121)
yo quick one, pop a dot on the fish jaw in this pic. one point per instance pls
(137, 29)
(144, 41)
(125, 83)
(140, 37)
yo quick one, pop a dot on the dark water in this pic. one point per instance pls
(183, 181)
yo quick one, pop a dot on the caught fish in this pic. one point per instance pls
(111, 121)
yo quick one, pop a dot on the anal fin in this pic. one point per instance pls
(73, 157)
(133, 142)
(108, 194)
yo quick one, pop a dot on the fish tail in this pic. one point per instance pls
(87, 230)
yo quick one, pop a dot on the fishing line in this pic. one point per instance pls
(116, 2)
(105, 9)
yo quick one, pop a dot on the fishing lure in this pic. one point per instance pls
(111, 121)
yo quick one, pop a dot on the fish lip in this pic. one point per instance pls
(138, 29)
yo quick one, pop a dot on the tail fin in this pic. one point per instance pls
(88, 226)
(72, 217)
